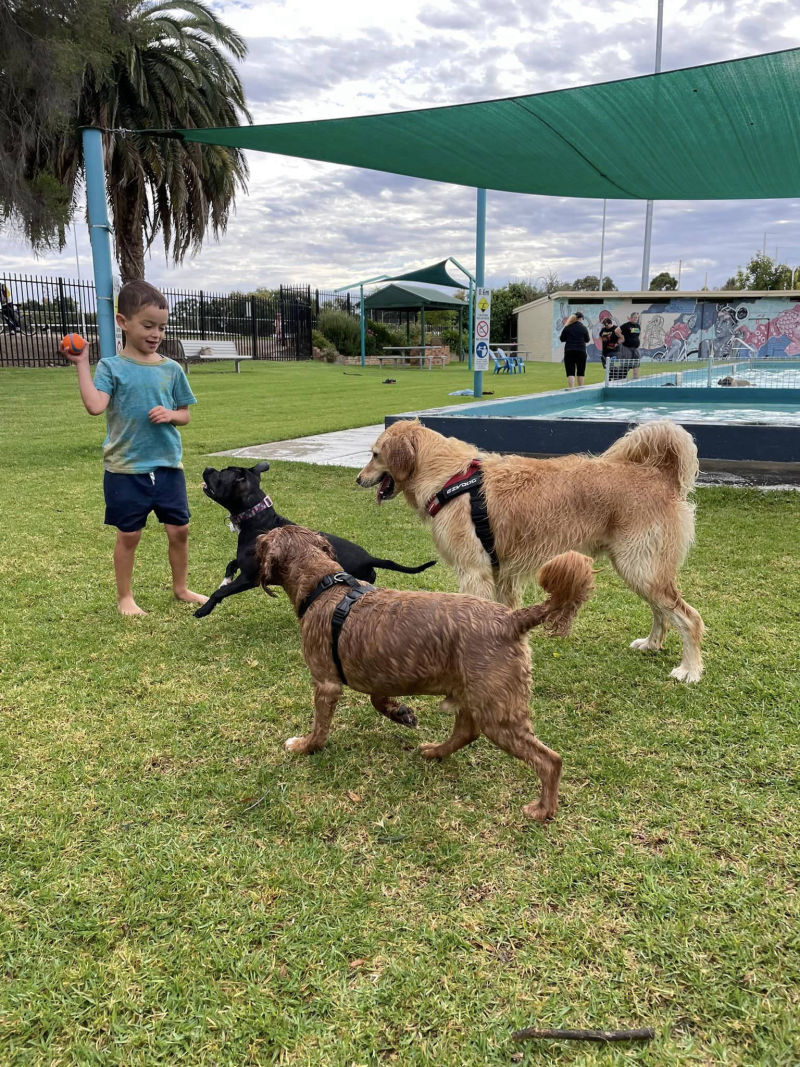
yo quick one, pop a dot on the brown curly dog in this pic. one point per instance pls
(473, 652)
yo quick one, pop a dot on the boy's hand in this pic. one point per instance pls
(82, 356)
(160, 414)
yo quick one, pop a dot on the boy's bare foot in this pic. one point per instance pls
(189, 597)
(128, 606)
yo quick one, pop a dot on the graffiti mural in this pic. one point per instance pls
(684, 328)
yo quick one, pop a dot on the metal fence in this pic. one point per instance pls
(697, 373)
(272, 325)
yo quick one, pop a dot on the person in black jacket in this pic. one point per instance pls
(575, 337)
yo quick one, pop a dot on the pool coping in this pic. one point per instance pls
(734, 447)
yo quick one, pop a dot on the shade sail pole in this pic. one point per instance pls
(363, 331)
(480, 259)
(99, 236)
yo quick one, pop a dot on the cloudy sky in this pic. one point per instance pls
(327, 225)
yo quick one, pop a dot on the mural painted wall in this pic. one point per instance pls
(684, 328)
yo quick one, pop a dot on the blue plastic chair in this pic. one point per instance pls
(501, 362)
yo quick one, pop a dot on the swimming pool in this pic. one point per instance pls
(749, 429)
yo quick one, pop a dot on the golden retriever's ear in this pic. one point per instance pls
(399, 454)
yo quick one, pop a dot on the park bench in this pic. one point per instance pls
(197, 351)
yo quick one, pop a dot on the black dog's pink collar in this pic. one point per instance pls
(243, 516)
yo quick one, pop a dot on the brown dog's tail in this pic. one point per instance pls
(664, 445)
(568, 580)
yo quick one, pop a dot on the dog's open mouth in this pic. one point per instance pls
(386, 489)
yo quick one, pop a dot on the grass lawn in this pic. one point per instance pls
(175, 888)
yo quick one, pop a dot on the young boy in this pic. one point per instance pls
(145, 397)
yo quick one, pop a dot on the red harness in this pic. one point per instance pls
(458, 484)
(470, 481)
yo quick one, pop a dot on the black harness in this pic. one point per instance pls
(471, 481)
(341, 611)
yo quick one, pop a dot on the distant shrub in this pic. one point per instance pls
(379, 335)
(449, 337)
(327, 352)
(343, 331)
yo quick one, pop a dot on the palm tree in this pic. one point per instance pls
(170, 71)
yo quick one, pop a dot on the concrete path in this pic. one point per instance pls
(344, 448)
(351, 448)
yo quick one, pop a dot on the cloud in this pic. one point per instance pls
(326, 225)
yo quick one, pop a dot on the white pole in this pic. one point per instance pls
(648, 220)
(602, 244)
(680, 268)
(80, 283)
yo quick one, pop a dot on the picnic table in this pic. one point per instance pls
(408, 355)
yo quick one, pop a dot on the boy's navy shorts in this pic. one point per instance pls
(131, 497)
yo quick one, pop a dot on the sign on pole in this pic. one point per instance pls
(483, 314)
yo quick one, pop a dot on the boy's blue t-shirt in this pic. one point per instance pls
(133, 444)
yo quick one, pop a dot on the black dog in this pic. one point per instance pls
(251, 513)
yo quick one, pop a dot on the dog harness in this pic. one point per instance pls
(237, 520)
(341, 611)
(471, 481)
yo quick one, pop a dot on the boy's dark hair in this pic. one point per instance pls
(133, 296)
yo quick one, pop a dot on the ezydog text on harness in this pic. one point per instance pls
(471, 481)
(342, 609)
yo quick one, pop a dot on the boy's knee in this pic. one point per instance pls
(129, 538)
(177, 534)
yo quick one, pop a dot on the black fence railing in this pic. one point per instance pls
(272, 325)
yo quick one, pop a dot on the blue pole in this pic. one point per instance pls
(480, 255)
(99, 235)
(470, 338)
(363, 333)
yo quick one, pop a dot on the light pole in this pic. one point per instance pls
(602, 244)
(648, 219)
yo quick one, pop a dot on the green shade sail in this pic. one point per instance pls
(716, 132)
(435, 274)
(410, 297)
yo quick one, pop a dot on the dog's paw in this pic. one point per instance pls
(432, 751)
(403, 715)
(294, 744)
(686, 674)
(203, 610)
(644, 644)
(538, 812)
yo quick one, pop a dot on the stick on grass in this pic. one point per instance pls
(585, 1035)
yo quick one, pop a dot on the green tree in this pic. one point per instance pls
(591, 283)
(664, 282)
(149, 64)
(44, 51)
(763, 273)
(504, 300)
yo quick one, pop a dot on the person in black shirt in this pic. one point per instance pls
(610, 338)
(7, 309)
(629, 349)
(575, 337)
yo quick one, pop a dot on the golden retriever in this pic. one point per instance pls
(629, 503)
(472, 652)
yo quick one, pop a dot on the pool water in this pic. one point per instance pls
(775, 375)
(623, 410)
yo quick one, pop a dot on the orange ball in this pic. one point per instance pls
(73, 343)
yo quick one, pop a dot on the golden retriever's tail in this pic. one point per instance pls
(568, 580)
(664, 445)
